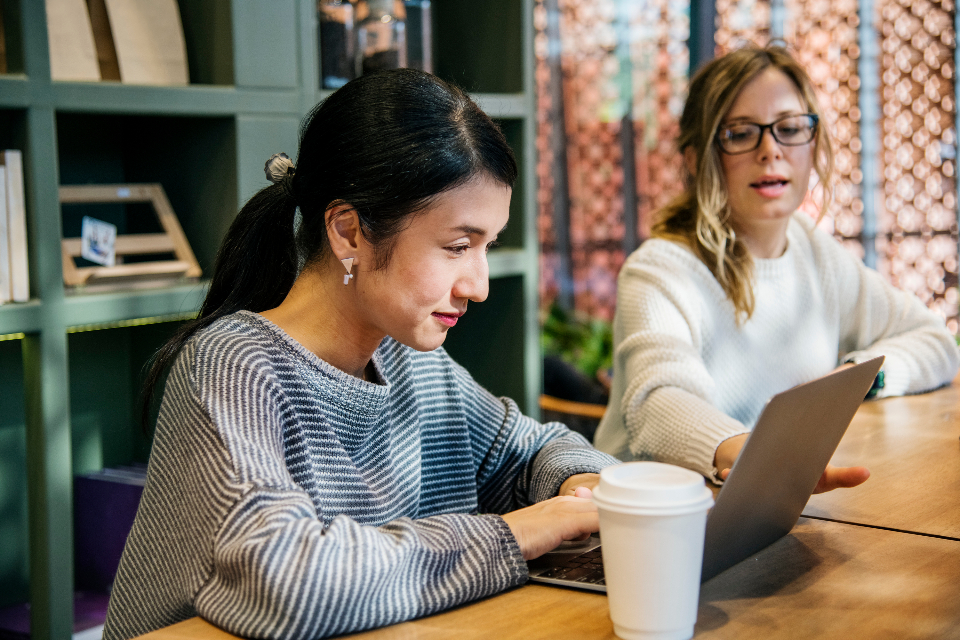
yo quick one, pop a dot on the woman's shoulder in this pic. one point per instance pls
(239, 332)
(658, 250)
(662, 255)
(247, 344)
(216, 353)
(667, 263)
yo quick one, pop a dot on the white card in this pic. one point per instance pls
(97, 241)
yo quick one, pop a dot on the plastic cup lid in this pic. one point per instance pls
(651, 485)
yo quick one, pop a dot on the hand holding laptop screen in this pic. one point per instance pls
(832, 478)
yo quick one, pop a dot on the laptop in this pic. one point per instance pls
(768, 487)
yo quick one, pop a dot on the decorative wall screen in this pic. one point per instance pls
(623, 68)
(629, 58)
(917, 212)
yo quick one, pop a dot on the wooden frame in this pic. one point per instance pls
(171, 240)
(581, 409)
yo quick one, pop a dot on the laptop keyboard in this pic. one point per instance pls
(586, 568)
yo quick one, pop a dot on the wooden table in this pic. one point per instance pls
(887, 566)
(912, 447)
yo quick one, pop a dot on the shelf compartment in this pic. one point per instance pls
(508, 262)
(14, 552)
(11, 18)
(91, 311)
(503, 105)
(206, 26)
(13, 128)
(489, 340)
(194, 159)
(106, 372)
(478, 45)
(513, 235)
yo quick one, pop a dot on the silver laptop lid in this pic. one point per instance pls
(781, 463)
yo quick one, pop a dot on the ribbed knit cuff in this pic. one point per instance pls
(510, 551)
(707, 440)
(896, 373)
(562, 458)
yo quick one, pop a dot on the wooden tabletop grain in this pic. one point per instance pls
(912, 447)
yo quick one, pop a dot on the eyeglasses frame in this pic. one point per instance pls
(769, 126)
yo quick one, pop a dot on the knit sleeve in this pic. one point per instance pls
(277, 572)
(877, 319)
(519, 460)
(666, 389)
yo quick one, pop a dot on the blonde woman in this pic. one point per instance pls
(738, 296)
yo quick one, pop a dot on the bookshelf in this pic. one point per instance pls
(70, 360)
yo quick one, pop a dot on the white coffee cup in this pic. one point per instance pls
(652, 521)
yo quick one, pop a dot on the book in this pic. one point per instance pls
(6, 292)
(148, 37)
(73, 56)
(16, 226)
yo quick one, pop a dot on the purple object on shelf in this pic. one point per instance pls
(89, 610)
(15, 622)
(104, 507)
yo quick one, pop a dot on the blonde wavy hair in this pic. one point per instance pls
(699, 217)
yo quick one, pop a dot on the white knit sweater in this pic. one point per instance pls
(686, 377)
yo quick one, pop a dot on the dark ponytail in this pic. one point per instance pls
(255, 268)
(387, 144)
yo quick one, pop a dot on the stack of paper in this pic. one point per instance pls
(14, 266)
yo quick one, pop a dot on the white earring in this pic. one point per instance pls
(348, 265)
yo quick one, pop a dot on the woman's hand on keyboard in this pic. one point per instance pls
(586, 480)
(543, 526)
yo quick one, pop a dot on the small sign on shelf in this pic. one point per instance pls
(98, 240)
(171, 240)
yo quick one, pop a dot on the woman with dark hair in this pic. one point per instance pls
(320, 465)
(738, 295)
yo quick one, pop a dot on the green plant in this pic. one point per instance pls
(582, 341)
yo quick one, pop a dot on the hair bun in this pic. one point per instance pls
(277, 167)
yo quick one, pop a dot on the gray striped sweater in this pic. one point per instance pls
(288, 499)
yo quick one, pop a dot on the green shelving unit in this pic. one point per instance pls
(70, 361)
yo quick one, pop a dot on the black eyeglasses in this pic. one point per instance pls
(790, 131)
